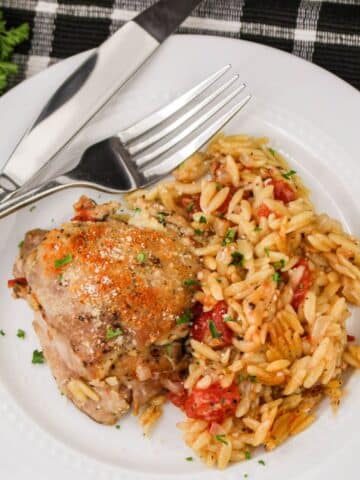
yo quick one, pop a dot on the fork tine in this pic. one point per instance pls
(154, 153)
(147, 142)
(155, 172)
(155, 118)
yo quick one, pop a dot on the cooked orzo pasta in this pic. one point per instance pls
(268, 337)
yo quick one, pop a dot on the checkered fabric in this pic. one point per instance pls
(324, 32)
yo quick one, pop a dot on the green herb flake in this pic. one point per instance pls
(113, 333)
(229, 318)
(190, 207)
(137, 210)
(169, 349)
(247, 454)
(288, 174)
(221, 438)
(241, 378)
(190, 282)
(20, 333)
(213, 330)
(202, 219)
(229, 237)
(253, 378)
(184, 318)
(141, 257)
(37, 357)
(21, 244)
(117, 427)
(257, 229)
(219, 187)
(61, 262)
(2, 333)
(189, 459)
(280, 264)
(261, 462)
(197, 231)
(267, 251)
(276, 277)
(237, 259)
(31, 209)
(272, 151)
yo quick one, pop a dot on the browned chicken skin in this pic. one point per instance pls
(108, 296)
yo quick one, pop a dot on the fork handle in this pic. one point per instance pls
(21, 200)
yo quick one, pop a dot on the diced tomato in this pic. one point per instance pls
(84, 217)
(178, 399)
(191, 203)
(17, 281)
(213, 404)
(225, 205)
(263, 211)
(283, 191)
(303, 285)
(201, 329)
(350, 338)
(247, 194)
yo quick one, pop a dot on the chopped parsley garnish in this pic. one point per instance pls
(189, 459)
(202, 219)
(257, 229)
(21, 244)
(288, 174)
(218, 187)
(161, 218)
(276, 277)
(241, 377)
(113, 333)
(2, 333)
(237, 259)
(261, 462)
(267, 251)
(117, 427)
(141, 257)
(213, 330)
(189, 282)
(38, 357)
(197, 231)
(279, 265)
(253, 378)
(184, 318)
(61, 262)
(31, 209)
(137, 210)
(272, 151)
(230, 236)
(20, 333)
(228, 318)
(221, 439)
(190, 207)
(247, 454)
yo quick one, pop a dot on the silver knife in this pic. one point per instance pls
(89, 88)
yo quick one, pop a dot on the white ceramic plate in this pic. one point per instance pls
(313, 118)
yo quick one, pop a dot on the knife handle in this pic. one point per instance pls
(163, 18)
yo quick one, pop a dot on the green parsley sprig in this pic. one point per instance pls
(9, 39)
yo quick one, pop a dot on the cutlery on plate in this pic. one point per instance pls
(90, 87)
(149, 150)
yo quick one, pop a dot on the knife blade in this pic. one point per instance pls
(89, 88)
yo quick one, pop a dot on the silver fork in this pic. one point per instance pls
(149, 150)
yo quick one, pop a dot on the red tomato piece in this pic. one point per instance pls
(263, 211)
(225, 205)
(84, 217)
(191, 203)
(303, 285)
(213, 404)
(17, 281)
(209, 327)
(351, 338)
(178, 399)
(283, 191)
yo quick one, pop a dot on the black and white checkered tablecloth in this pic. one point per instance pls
(324, 32)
